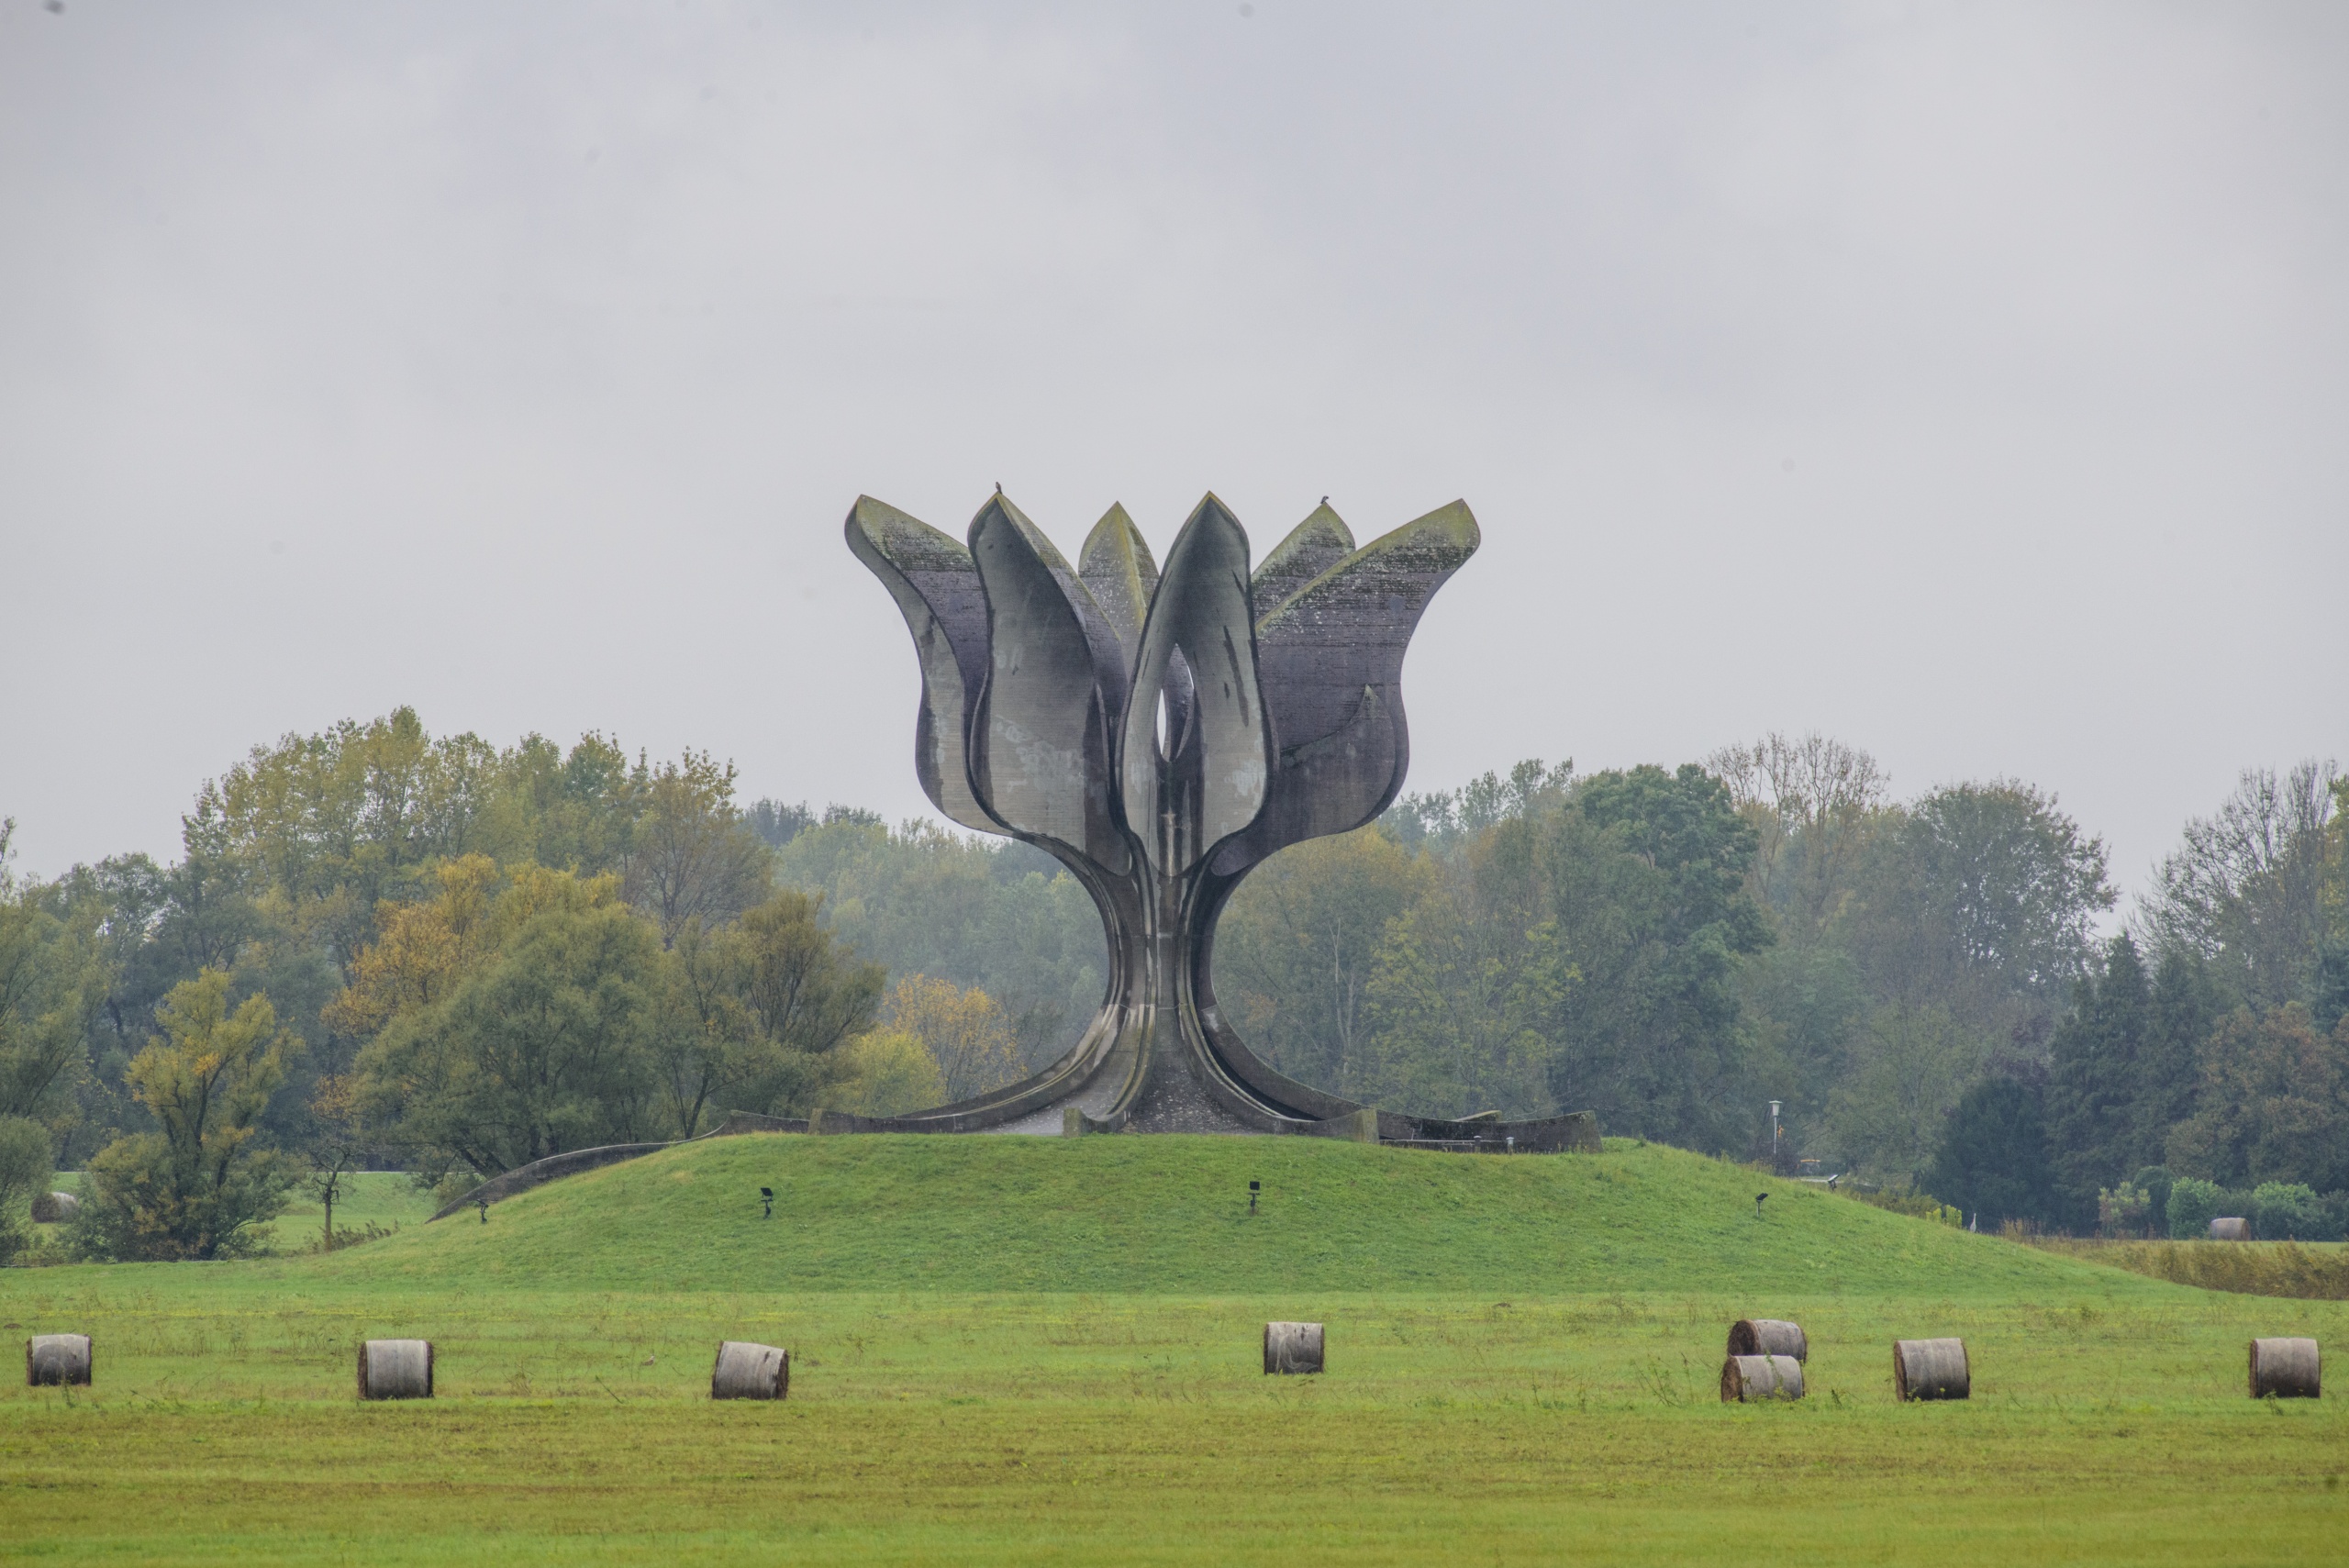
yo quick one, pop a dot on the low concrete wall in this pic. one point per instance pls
(522, 1178)
(539, 1172)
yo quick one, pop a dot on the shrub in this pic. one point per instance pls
(451, 1185)
(1916, 1205)
(890, 1072)
(2285, 1211)
(2154, 1181)
(2121, 1210)
(148, 1201)
(2193, 1204)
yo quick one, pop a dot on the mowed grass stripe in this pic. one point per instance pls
(1305, 1480)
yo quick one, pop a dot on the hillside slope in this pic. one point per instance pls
(1170, 1214)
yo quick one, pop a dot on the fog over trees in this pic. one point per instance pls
(438, 954)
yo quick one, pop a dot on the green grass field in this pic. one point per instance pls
(1044, 1351)
(385, 1199)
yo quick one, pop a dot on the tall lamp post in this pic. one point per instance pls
(1773, 1134)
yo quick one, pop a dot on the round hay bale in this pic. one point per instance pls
(1768, 1337)
(1930, 1368)
(395, 1369)
(2231, 1230)
(56, 1361)
(54, 1208)
(1292, 1347)
(2288, 1369)
(745, 1371)
(1749, 1379)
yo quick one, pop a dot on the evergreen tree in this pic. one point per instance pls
(2329, 998)
(1993, 1157)
(2091, 1092)
(2179, 1017)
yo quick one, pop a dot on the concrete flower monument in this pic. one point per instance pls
(1162, 732)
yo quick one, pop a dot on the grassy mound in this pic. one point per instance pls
(1170, 1214)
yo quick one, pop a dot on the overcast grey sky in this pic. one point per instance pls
(1967, 382)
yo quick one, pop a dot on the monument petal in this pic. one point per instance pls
(1194, 751)
(937, 589)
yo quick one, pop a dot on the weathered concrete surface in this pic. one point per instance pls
(1162, 731)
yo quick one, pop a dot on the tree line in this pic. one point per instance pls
(1923, 985)
(384, 948)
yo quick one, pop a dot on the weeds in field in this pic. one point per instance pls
(1658, 1378)
(345, 1237)
(2316, 1272)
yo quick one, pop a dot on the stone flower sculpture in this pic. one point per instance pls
(1162, 732)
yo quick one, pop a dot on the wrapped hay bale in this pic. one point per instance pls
(1930, 1368)
(56, 1361)
(2231, 1230)
(54, 1208)
(2288, 1369)
(395, 1369)
(1768, 1337)
(1292, 1347)
(1748, 1379)
(745, 1371)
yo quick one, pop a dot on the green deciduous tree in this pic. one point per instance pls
(1647, 872)
(753, 1014)
(2256, 889)
(1906, 1072)
(542, 1049)
(1002, 916)
(336, 1143)
(1444, 820)
(807, 994)
(963, 1032)
(24, 1147)
(195, 1186)
(887, 1073)
(2274, 1104)
(1295, 952)
(1812, 801)
(1981, 899)
(52, 979)
(691, 856)
(1462, 1005)
(1806, 1009)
